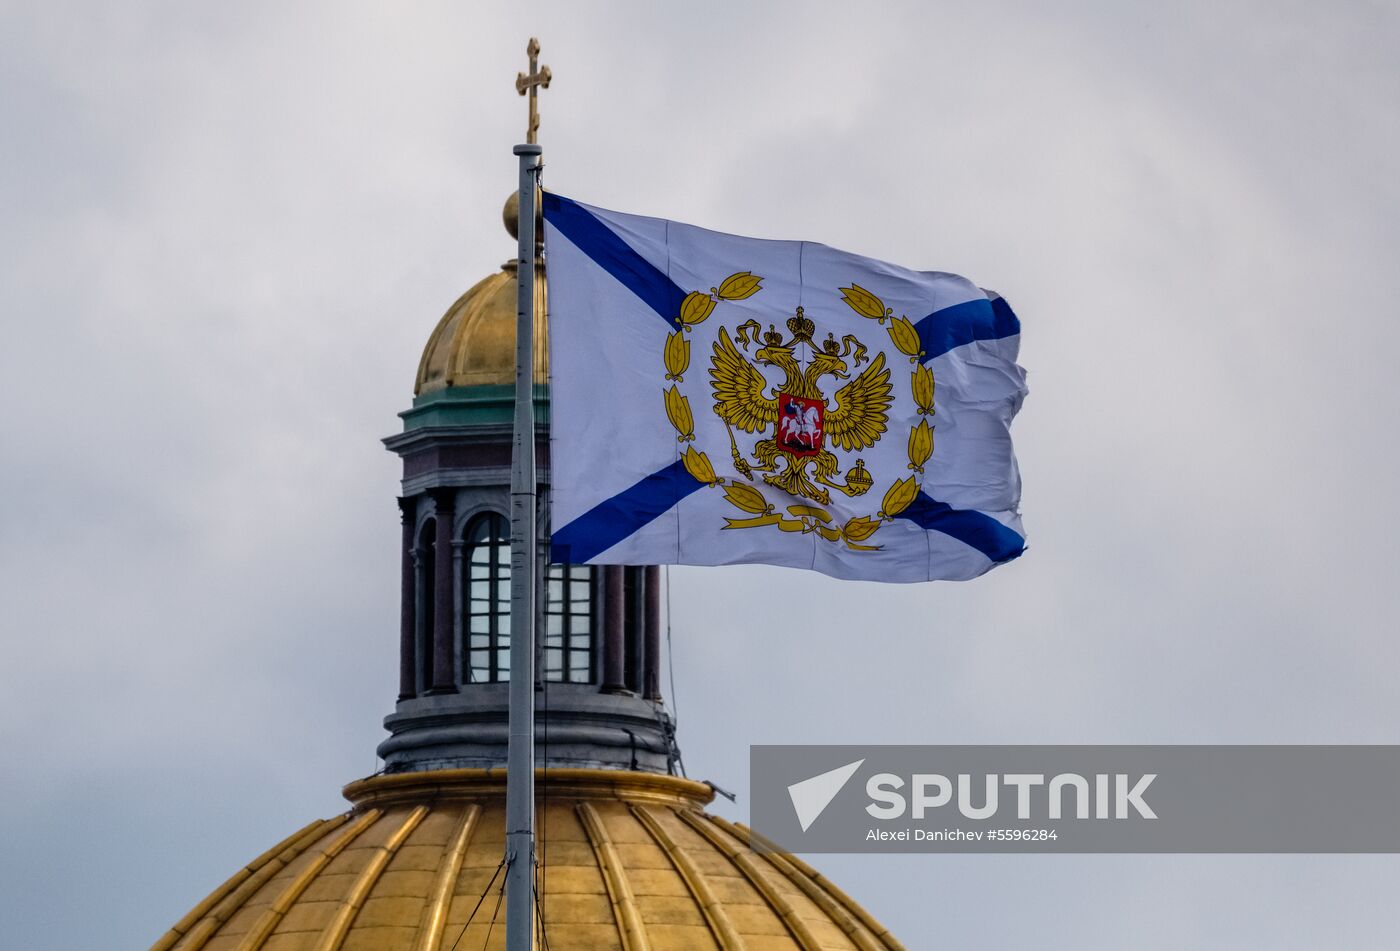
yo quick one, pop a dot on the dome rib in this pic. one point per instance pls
(475, 306)
(721, 926)
(753, 871)
(270, 919)
(629, 919)
(822, 898)
(334, 935)
(440, 899)
(444, 326)
(814, 882)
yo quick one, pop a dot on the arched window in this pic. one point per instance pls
(486, 599)
(568, 618)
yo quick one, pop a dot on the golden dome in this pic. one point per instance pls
(474, 342)
(627, 861)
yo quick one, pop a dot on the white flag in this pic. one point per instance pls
(719, 400)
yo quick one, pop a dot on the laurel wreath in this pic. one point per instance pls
(695, 308)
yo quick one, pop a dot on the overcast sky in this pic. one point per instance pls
(226, 231)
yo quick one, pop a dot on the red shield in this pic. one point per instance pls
(801, 424)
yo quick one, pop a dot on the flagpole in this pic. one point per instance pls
(520, 754)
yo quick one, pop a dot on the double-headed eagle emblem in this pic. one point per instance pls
(797, 423)
(795, 459)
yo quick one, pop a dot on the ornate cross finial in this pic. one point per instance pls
(537, 78)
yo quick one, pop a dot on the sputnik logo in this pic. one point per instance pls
(811, 796)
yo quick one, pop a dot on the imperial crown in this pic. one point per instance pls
(801, 327)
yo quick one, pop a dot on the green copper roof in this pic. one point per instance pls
(484, 405)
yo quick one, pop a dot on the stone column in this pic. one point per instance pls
(422, 639)
(443, 681)
(651, 633)
(408, 618)
(614, 614)
(459, 613)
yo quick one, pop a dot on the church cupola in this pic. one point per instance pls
(598, 664)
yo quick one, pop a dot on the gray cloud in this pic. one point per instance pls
(229, 229)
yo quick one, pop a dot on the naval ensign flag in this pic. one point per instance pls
(719, 400)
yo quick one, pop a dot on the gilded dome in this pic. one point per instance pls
(474, 342)
(627, 861)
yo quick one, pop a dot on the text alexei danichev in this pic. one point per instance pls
(961, 835)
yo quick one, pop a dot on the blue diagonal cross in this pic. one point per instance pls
(953, 327)
(627, 512)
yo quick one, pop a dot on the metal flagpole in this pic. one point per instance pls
(520, 754)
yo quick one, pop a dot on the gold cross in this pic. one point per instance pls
(538, 78)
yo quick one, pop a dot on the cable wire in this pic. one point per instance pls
(494, 913)
(485, 892)
(539, 917)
